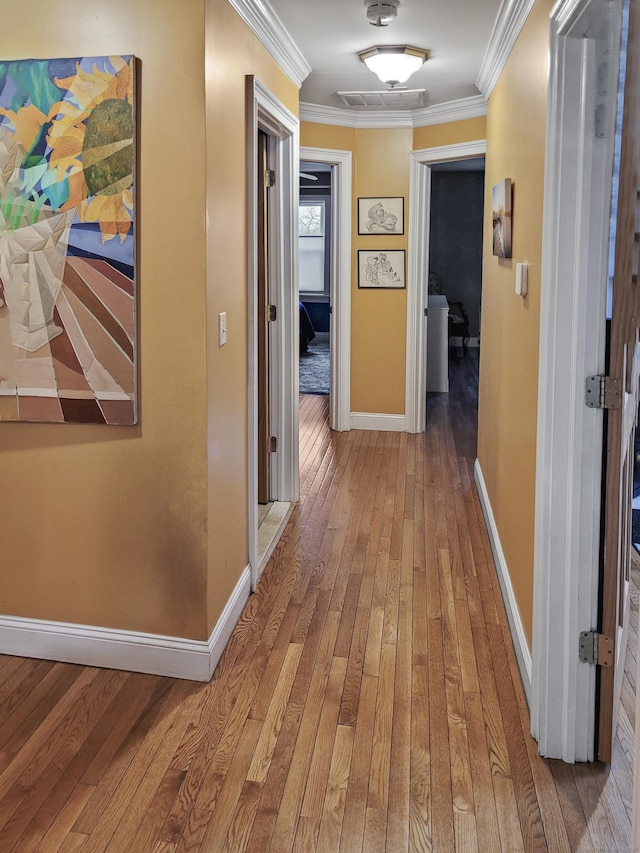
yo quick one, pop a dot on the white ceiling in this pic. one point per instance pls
(330, 33)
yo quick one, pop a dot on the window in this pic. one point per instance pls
(311, 246)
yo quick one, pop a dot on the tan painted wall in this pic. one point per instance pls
(232, 52)
(510, 324)
(107, 525)
(378, 318)
(141, 528)
(451, 133)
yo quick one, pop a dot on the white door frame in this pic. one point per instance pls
(578, 171)
(418, 271)
(266, 113)
(340, 324)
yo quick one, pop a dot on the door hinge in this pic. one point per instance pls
(602, 392)
(426, 312)
(273, 444)
(272, 313)
(596, 648)
(269, 178)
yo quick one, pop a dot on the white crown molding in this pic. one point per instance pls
(381, 422)
(472, 107)
(133, 651)
(340, 117)
(438, 114)
(509, 22)
(272, 35)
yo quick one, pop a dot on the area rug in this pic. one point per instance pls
(314, 368)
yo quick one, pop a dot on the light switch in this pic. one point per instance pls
(522, 276)
(222, 329)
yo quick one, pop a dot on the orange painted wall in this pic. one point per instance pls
(508, 391)
(231, 53)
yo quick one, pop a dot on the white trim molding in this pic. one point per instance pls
(575, 231)
(520, 644)
(418, 270)
(274, 37)
(474, 106)
(264, 111)
(509, 22)
(381, 422)
(88, 645)
(342, 117)
(451, 111)
(340, 343)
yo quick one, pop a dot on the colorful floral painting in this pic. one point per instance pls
(67, 236)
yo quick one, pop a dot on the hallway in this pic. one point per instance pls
(368, 700)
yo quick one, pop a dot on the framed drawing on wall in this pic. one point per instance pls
(381, 270)
(381, 215)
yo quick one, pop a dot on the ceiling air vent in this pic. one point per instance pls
(410, 99)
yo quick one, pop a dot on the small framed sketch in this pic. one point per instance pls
(381, 270)
(502, 219)
(381, 215)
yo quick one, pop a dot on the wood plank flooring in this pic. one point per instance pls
(368, 700)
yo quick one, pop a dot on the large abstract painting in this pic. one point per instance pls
(67, 282)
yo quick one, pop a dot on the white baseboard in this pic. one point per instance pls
(385, 423)
(88, 645)
(523, 653)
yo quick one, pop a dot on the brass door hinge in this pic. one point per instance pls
(596, 648)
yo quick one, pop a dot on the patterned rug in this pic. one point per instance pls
(314, 368)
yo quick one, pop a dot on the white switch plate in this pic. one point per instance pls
(222, 329)
(522, 276)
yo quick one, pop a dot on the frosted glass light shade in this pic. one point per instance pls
(394, 63)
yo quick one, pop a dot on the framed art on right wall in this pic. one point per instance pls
(502, 219)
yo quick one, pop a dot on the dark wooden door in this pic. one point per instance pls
(263, 321)
(620, 422)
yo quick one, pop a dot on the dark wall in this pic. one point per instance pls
(455, 241)
(317, 304)
(318, 314)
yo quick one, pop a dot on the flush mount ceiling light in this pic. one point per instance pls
(394, 64)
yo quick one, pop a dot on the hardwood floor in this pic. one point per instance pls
(369, 699)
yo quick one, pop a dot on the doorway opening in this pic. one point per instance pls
(340, 170)
(315, 250)
(455, 270)
(272, 208)
(420, 179)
